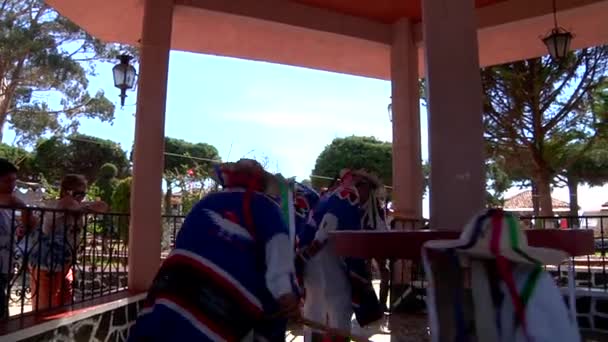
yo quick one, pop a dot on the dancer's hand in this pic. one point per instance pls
(289, 306)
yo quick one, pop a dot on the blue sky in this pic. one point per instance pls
(281, 114)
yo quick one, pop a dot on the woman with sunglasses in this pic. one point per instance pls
(51, 262)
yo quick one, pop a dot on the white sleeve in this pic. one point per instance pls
(280, 267)
(328, 224)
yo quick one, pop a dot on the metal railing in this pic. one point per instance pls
(591, 273)
(171, 225)
(51, 258)
(97, 258)
(408, 281)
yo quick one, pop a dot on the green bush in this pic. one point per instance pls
(106, 183)
(108, 171)
(121, 203)
(189, 199)
(51, 191)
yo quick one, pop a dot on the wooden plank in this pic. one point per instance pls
(407, 244)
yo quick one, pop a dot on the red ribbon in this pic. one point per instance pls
(505, 270)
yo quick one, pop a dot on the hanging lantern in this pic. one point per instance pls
(124, 76)
(558, 41)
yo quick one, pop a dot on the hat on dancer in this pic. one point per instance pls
(245, 173)
(355, 176)
(513, 298)
(496, 233)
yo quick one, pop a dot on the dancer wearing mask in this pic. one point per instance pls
(231, 270)
(305, 199)
(335, 286)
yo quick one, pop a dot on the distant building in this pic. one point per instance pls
(522, 204)
(596, 219)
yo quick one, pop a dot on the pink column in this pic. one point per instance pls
(456, 144)
(146, 194)
(407, 168)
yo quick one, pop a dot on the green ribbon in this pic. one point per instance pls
(286, 190)
(533, 278)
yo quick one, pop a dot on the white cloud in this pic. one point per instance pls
(316, 123)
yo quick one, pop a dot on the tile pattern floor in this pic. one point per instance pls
(393, 328)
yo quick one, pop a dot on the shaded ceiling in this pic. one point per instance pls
(320, 34)
(385, 11)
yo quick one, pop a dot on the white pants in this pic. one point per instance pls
(328, 294)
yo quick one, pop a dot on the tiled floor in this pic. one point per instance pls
(393, 328)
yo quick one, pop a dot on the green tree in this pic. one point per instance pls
(83, 154)
(426, 174)
(43, 54)
(87, 154)
(50, 159)
(189, 199)
(354, 152)
(121, 203)
(376, 156)
(498, 181)
(186, 162)
(589, 161)
(590, 167)
(534, 108)
(20, 158)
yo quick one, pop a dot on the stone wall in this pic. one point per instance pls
(109, 326)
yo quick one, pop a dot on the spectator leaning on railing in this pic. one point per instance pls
(51, 263)
(8, 226)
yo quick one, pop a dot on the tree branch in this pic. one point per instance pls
(56, 112)
(10, 89)
(554, 94)
(584, 86)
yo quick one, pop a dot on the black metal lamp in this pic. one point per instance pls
(558, 41)
(124, 76)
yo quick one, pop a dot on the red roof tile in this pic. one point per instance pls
(524, 200)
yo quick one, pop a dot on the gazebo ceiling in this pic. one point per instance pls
(346, 36)
(385, 11)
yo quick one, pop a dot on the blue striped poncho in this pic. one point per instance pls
(232, 260)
